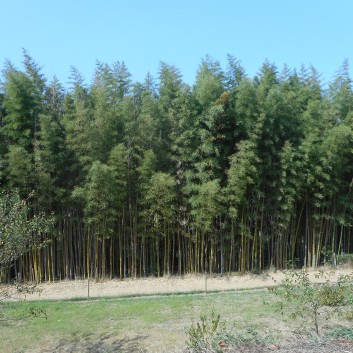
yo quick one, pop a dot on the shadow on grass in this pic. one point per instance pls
(88, 344)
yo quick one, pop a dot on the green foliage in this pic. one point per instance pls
(202, 334)
(146, 170)
(242, 174)
(109, 88)
(118, 163)
(169, 85)
(52, 159)
(235, 73)
(99, 197)
(345, 259)
(19, 231)
(20, 168)
(78, 122)
(299, 296)
(160, 198)
(19, 106)
(211, 334)
(256, 170)
(209, 82)
(207, 205)
(340, 94)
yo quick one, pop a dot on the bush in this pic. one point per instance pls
(203, 334)
(211, 334)
(344, 259)
(300, 297)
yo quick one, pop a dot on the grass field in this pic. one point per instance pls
(133, 324)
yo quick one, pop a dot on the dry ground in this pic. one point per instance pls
(153, 285)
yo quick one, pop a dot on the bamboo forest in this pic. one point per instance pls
(115, 179)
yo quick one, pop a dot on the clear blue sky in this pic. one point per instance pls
(61, 33)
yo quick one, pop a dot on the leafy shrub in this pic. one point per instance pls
(211, 334)
(331, 295)
(203, 334)
(300, 297)
(345, 259)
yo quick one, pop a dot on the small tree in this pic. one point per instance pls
(19, 232)
(301, 297)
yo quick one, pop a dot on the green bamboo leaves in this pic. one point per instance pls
(232, 173)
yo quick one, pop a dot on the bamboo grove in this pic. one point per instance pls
(156, 178)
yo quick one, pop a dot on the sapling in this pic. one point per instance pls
(299, 296)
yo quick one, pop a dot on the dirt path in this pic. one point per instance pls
(174, 284)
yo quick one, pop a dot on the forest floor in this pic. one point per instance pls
(70, 289)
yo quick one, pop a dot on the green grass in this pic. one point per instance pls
(123, 324)
(129, 324)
